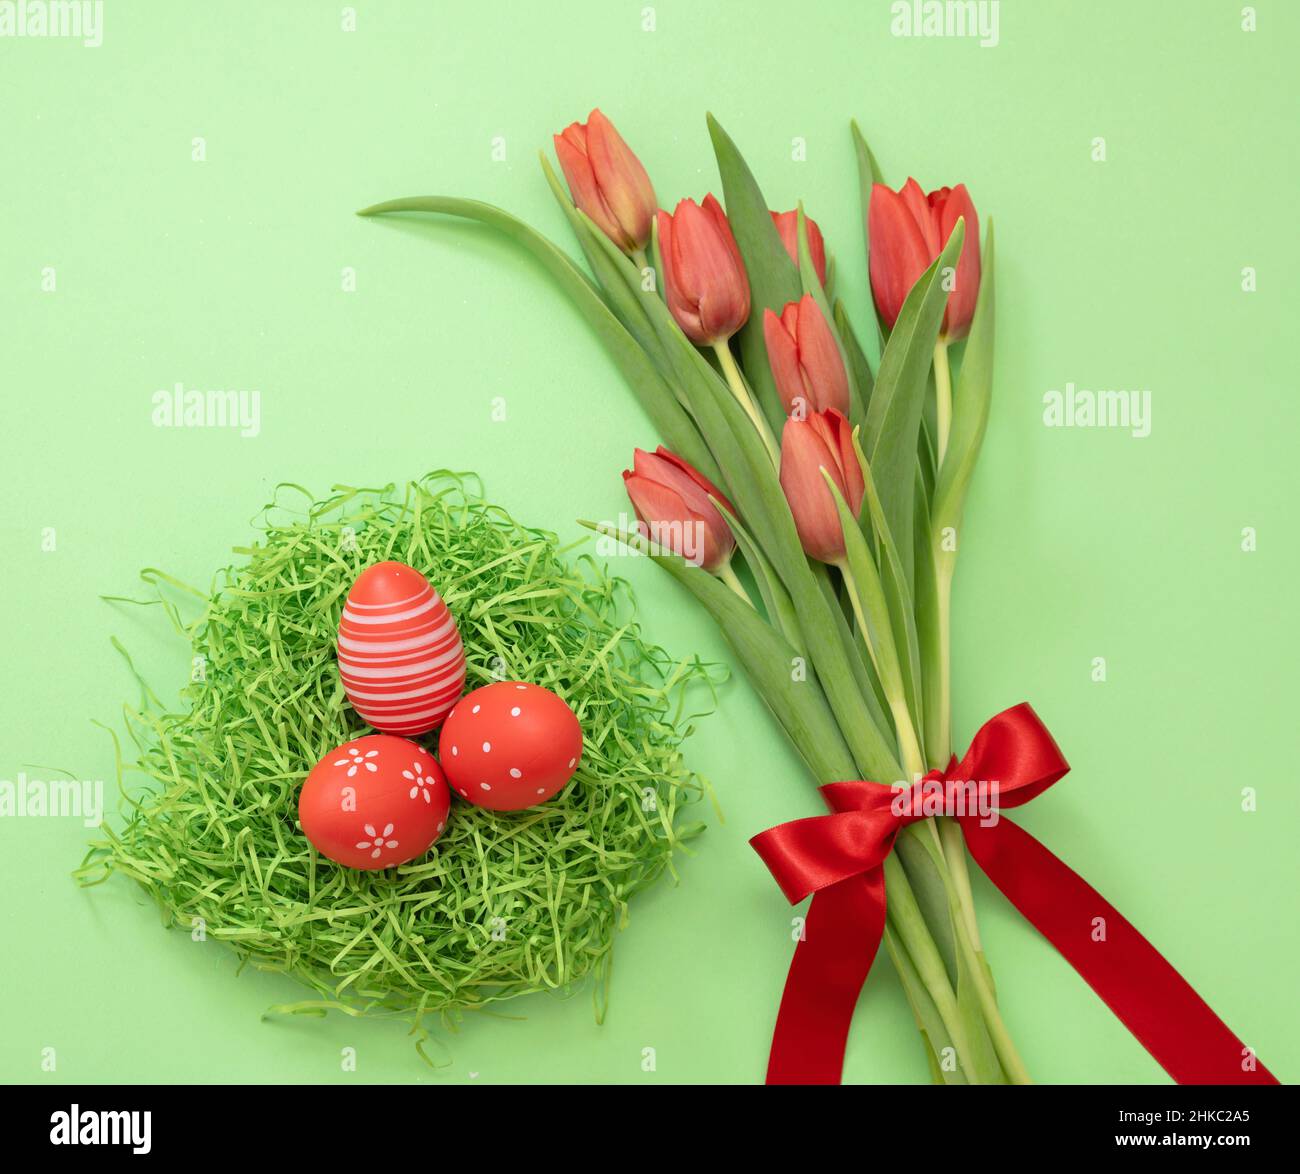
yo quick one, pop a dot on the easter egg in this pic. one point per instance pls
(510, 745)
(400, 655)
(375, 802)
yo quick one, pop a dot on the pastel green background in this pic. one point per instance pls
(1079, 543)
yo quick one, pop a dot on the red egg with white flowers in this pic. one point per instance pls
(375, 802)
(399, 650)
(510, 745)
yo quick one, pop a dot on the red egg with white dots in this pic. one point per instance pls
(400, 655)
(510, 745)
(375, 802)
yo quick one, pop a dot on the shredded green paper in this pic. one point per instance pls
(505, 904)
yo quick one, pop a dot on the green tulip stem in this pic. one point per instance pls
(946, 835)
(943, 582)
(909, 745)
(943, 395)
(950, 835)
(736, 382)
(954, 855)
(642, 261)
(728, 576)
(1012, 1064)
(906, 918)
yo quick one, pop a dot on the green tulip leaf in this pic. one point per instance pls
(627, 309)
(868, 175)
(865, 583)
(766, 655)
(897, 593)
(925, 447)
(654, 394)
(773, 278)
(809, 282)
(868, 169)
(859, 367)
(856, 644)
(971, 401)
(926, 873)
(925, 593)
(894, 417)
(776, 599)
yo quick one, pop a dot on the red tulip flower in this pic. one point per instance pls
(704, 278)
(908, 230)
(805, 358)
(787, 224)
(671, 500)
(822, 441)
(607, 181)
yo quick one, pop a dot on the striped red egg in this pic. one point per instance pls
(399, 651)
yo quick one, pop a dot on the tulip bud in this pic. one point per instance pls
(908, 230)
(671, 500)
(787, 224)
(704, 279)
(805, 358)
(822, 441)
(607, 181)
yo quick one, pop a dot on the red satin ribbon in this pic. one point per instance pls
(838, 858)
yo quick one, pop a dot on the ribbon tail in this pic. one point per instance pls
(1145, 992)
(842, 933)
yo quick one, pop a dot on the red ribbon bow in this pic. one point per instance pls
(838, 858)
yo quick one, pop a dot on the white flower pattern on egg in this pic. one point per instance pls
(356, 758)
(378, 840)
(376, 782)
(421, 784)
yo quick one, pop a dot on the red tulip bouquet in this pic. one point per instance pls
(840, 483)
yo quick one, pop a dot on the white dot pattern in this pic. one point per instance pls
(509, 752)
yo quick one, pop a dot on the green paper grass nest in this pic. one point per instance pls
(505, 904)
